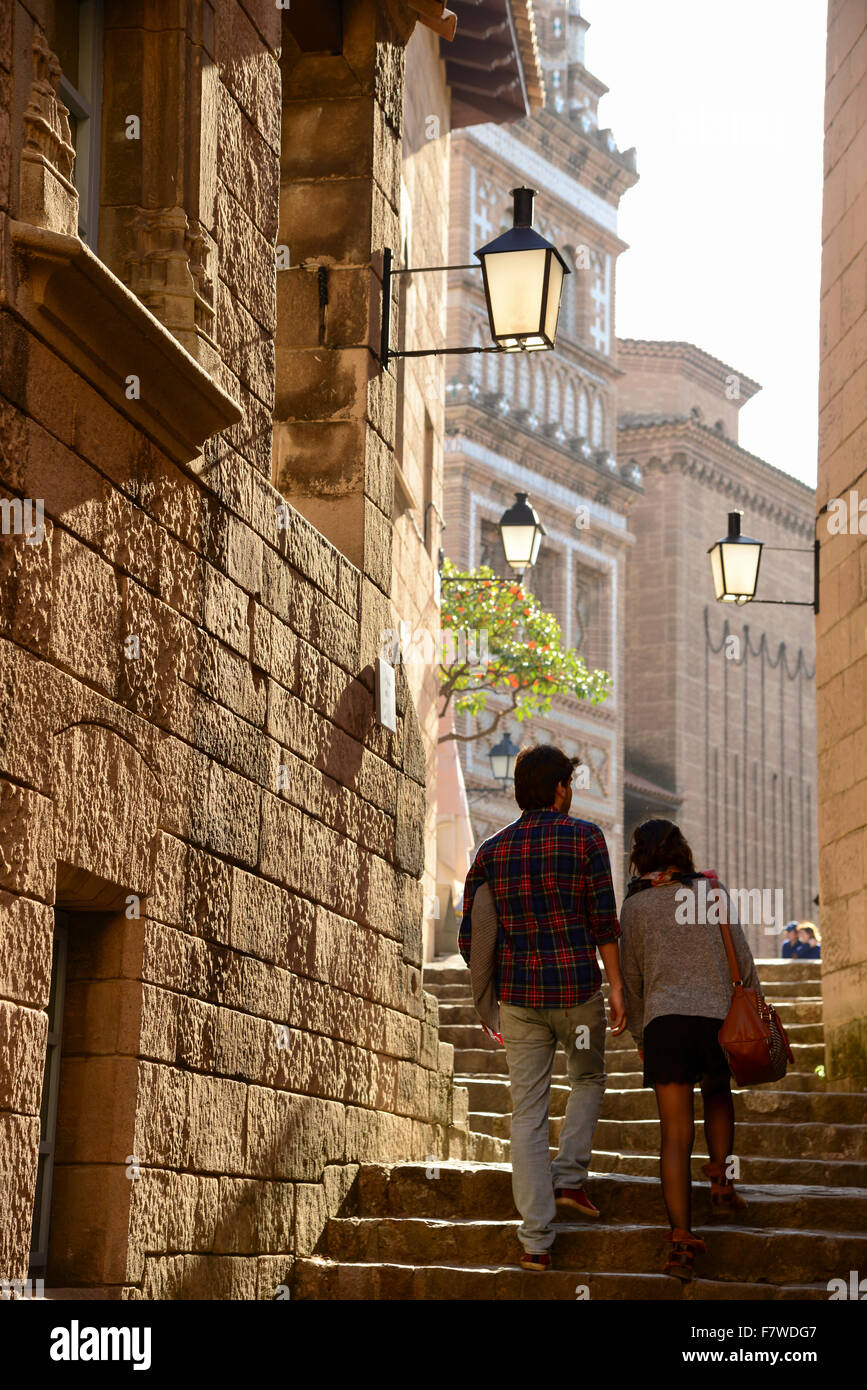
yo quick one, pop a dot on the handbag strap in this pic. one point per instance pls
(730, 952)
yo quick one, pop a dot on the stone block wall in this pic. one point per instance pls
(190, 763)
(841, 627)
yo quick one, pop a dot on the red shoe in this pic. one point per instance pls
(577, 1199)
(542, 1260)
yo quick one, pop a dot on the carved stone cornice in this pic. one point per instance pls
(47, 197)
(71, 299)
(719, 464)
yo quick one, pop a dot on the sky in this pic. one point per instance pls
(724, 105)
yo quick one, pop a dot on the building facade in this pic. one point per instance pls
(544, 422)
(841, 626)
(213, 846)
(720, 702)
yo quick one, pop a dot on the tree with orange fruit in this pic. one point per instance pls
(516, 649)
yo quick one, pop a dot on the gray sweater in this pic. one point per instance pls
(673, 968)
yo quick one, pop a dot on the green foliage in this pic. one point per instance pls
(526, 656)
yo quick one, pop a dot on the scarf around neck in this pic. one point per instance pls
(669, 875)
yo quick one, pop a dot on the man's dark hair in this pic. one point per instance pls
(538, 773)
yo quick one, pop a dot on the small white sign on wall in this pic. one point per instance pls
(385, 704)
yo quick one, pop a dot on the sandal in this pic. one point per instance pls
(723, 1198)
(684, 1248)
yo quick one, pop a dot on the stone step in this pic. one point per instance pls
(760, 1168)
(470, 1034)
(315, 1277)
(757, 1168)
(751, 1137)
(459, 1024)
(791, 1008)
(484, 1147)
(492, 1092)
(733, 1251)
(473, 1192)
(451, 970)
(476, 1063)
(829, 1107)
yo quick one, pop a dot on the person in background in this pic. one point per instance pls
(809, 946)
(791, 942)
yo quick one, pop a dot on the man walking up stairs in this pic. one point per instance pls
(449, 1231)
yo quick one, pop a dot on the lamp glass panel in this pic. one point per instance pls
(537, 541)
(740, 564)
(518, 545)
(716, 571)
(515, 283)
(555, 289)
(500, 766)
(510, 767)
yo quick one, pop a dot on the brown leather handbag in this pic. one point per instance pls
(752, 1036)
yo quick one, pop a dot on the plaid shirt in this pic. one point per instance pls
(550, 877)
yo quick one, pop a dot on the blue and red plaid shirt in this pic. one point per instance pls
(550, 877)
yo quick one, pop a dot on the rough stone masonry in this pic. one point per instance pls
(195, 795)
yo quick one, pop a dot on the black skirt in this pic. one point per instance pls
(678, 1047)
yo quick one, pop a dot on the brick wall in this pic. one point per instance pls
(728, 727)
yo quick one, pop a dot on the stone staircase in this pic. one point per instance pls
(410, 1231)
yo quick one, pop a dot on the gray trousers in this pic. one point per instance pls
(531, 1037)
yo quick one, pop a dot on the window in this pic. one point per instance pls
(591, 618)
(583, 414)
(598, 423)
(545, 580)
(78, 45)
(48, 1111)
(491, 551)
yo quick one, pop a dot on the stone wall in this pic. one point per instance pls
(419, 323)
(841, 627)
(190, 764)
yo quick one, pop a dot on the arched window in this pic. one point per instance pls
(493, 375)
(598, 422)
(554, 398)
(508, 376)
(583, 414)
(540, 407)
(477, 358)
(570, 418)
(523, 382)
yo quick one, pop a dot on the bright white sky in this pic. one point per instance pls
(724, 104)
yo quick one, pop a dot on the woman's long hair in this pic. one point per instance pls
(659, 844)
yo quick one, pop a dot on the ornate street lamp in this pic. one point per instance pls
(523, 276)
(734, 563)
(521, 532)
(502, 756)
(523, 279)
